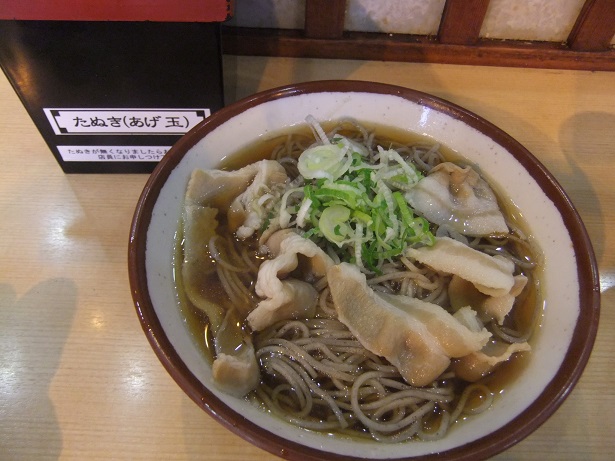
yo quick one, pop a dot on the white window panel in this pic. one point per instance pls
(276, 14)
(421, 17)
(542, 20)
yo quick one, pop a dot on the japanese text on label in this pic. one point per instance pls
(124, 121)
(113, 153)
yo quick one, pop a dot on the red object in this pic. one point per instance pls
(118, 10)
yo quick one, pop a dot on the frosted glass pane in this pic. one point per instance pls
(277, 14)
(545, 20)
(420, 17)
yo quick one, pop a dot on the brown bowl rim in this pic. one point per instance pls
(495, 442)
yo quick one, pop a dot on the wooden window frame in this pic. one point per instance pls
(588, 46)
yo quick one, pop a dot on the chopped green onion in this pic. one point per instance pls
(302, 214)
(355, 208)
(333, 223)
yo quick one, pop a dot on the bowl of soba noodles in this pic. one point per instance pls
(359, 271)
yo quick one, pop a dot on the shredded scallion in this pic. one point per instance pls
(354, 206)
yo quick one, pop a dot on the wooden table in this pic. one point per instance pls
(78, 379)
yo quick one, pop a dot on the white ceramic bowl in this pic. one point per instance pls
(570, 282)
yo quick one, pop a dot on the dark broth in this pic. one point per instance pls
(527, 311)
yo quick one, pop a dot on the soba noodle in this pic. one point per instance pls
(314, 372)
(318, 376)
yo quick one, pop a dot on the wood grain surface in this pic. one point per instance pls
(78, 379)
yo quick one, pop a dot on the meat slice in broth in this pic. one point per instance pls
(491, 275)
(458, 197)
(285, 296)
(407, 337)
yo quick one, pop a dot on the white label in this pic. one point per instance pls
(112, 153)
(124, 121)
